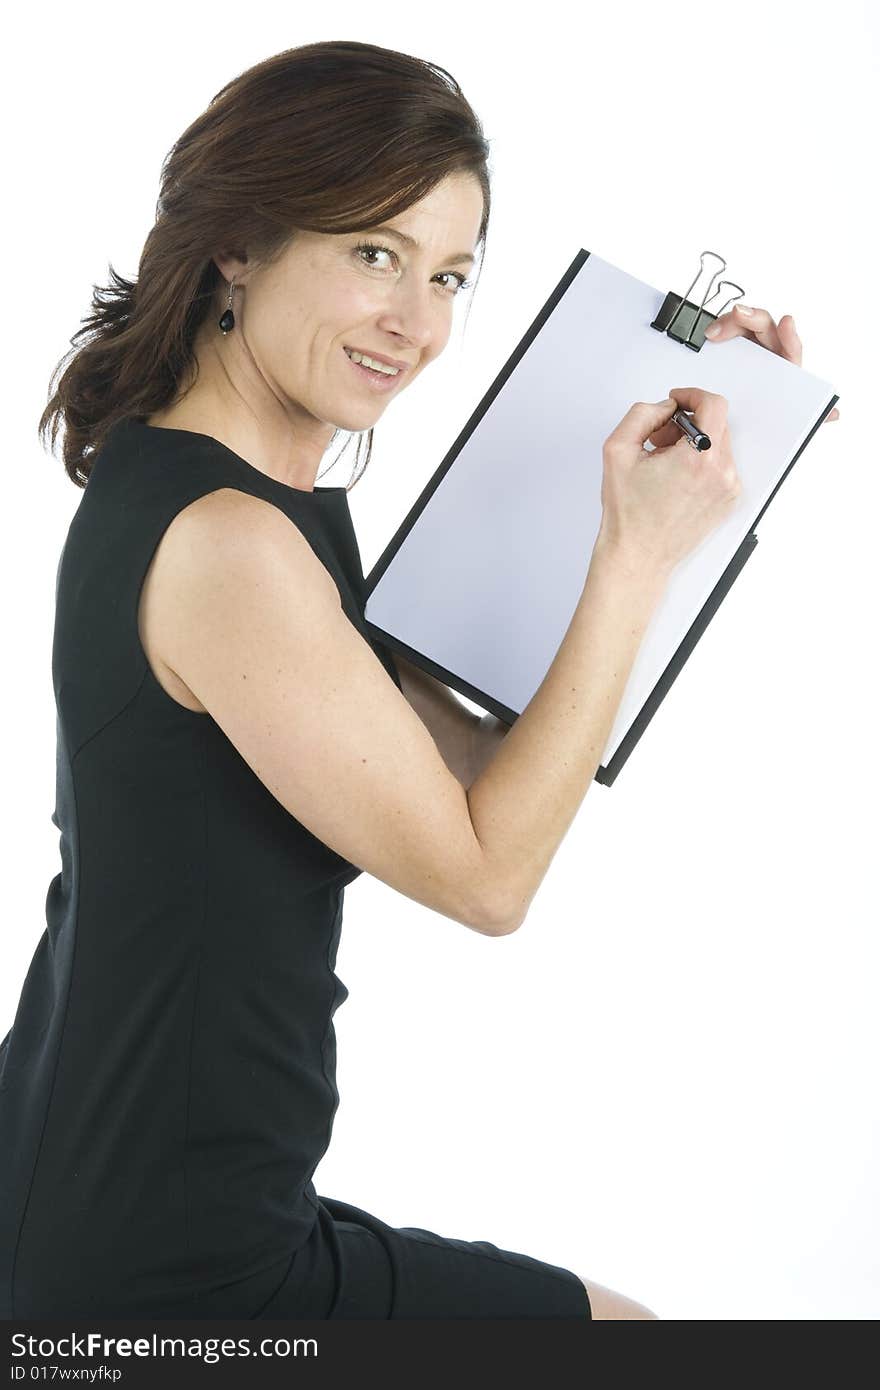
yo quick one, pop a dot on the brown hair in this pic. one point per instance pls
(327, 137)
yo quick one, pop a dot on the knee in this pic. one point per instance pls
(605, 1304)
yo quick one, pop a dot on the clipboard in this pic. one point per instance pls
(480, 581)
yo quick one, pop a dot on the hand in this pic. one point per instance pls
(759, 326)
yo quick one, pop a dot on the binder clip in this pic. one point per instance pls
(687, 322)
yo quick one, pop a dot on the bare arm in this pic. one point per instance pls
(466, 742)
(253, 625)
(313, 712)
(487, 739)
(525, 798)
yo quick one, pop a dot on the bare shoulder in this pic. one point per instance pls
(235, 520)
(210, 538)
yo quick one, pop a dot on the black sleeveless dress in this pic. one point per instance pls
(168, 1086)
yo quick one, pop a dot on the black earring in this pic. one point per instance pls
(227, 319)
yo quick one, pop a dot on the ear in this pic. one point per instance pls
(232, 266)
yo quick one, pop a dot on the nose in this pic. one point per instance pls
(411, 315)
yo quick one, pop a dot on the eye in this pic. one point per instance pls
(462, 283)
(370, 248)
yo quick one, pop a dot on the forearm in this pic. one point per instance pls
(525, 797)
(486, 738)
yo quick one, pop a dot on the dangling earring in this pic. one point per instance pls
(227, 319)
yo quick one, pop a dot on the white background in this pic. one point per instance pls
(666, 1080)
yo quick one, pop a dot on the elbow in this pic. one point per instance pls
(502, 922)
(498, 911)
(507, 928)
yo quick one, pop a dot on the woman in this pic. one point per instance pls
(234, 748)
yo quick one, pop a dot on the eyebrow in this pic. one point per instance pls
(414, 245)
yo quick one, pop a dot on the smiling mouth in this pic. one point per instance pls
(363, 359)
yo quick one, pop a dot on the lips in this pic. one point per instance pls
(378, 357)
(374, 380)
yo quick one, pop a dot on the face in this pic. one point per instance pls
(371, 291)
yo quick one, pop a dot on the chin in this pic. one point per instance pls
(357, 423)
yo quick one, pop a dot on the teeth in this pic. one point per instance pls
(371, 362)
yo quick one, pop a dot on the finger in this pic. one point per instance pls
(669, 434)
(708, 410)
(666, 435)
(792, 346)
(641, 420)
(743, 322)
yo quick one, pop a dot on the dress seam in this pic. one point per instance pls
(332, 1084)
(75, 863)
(195, 1005)
(112, 718)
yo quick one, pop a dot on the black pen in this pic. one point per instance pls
(695, 436)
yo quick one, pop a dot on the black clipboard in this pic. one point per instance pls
(683, 320)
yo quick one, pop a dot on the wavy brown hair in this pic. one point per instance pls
(328, 137)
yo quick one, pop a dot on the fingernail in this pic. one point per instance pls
(743, 308)
(793, 329)
(713, 330)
